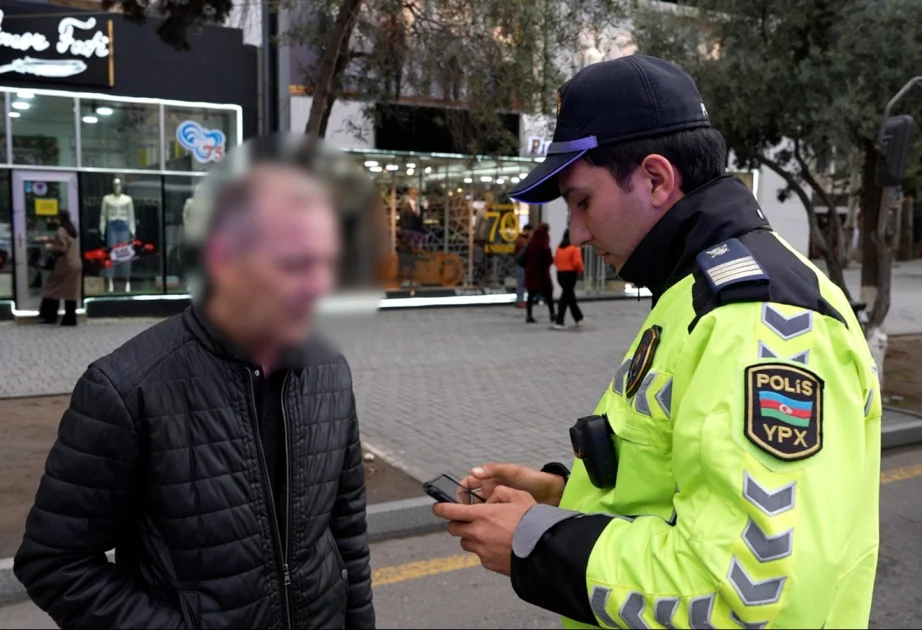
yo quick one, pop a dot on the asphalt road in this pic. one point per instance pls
(428, 582)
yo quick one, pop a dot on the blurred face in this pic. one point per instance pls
(613, 220)
(273, 285)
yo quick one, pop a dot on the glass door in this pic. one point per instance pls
(38, 197)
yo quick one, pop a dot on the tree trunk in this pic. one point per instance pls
(341, 62)
(905, 243)
(835, 233)
(854, 190)
(870, 211)
(327, 77)
(833, 268)
(881, 250)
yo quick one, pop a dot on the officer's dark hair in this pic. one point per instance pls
(700, 155)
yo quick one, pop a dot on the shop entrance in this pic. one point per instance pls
(38, 196)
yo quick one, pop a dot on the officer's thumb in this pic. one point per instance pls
(499, 472)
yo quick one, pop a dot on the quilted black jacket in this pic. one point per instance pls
(157, 457)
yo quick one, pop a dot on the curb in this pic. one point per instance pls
(902, 434)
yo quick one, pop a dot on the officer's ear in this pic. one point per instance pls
(660, 180)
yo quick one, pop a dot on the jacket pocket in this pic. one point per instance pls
(190, 606)
(342, 572)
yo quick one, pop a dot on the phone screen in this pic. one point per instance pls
(452, 490)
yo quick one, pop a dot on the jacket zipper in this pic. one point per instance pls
(286, 576)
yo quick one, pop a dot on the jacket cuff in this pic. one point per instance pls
(551, 549)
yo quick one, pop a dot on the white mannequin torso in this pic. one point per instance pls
(117, 208)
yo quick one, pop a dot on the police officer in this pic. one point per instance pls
(729, 475)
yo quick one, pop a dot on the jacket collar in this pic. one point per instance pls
(215, 341)
(722, 209)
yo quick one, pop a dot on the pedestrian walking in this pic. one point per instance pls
(708, 490)
(538, 261)
(217, 452)
(569, 263)
(518, 254)
(65, 279)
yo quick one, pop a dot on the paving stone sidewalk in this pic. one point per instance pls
(437, 390)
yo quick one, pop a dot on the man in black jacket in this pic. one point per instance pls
(218, 452)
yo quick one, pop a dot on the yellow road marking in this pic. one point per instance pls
(900, 474)
(423, 568)
(449, 564)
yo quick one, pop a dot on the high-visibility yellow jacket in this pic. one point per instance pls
(748, 461)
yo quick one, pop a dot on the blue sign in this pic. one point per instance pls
(205, 145)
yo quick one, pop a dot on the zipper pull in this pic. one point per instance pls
(286, 574)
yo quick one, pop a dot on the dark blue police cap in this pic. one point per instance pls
(610, 102)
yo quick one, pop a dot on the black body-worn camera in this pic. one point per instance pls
(593, 442)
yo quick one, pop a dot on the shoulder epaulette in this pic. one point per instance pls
(729, 264)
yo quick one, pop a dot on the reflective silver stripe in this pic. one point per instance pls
(771, 503)
(699, 612)
(742, 624)
(767, 353)
(642, 405)
(664, 611)
(536, 521)
(767, 548)
(787, 327)
(632, 610)
(598, 601)
(869, 403)
(754, 593)
(617, 384)
(664, 398)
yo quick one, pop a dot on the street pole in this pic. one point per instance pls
(269, 113)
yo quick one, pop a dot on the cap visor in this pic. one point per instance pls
(541, 184)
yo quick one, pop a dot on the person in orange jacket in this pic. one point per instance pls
(569, 263)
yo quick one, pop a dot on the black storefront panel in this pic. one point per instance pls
(125, 59)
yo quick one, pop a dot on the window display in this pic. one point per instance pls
(119, 135)
(196, 138)
(43, 129)
(451, 222)
(121, 231)
(178, 193)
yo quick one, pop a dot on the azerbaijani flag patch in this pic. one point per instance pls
(784, 410)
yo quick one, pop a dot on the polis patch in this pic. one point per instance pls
(784, 410)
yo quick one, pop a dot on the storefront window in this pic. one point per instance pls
(452, 223)
(43, 128)
(6, 238)
(116, 135)
(196, 138)
(177, 207)
(122, 243)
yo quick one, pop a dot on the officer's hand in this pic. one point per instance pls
(544, 487)
(487, 529)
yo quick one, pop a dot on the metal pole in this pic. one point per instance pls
(266, 67)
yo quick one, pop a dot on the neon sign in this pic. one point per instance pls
(205, 145)
(78, 42)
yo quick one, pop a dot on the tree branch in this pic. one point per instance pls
(833, 268)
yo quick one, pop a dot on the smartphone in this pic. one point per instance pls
(447, 489)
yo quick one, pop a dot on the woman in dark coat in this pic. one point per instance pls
(538, 261)
(64, 282)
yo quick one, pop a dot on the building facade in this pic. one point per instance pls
(105, 121)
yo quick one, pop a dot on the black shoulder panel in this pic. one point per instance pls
(758, 268)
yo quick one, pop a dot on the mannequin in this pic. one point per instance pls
(117, 225)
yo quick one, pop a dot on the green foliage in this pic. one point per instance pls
(485, 56)
(178, 16)
(818, 72)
